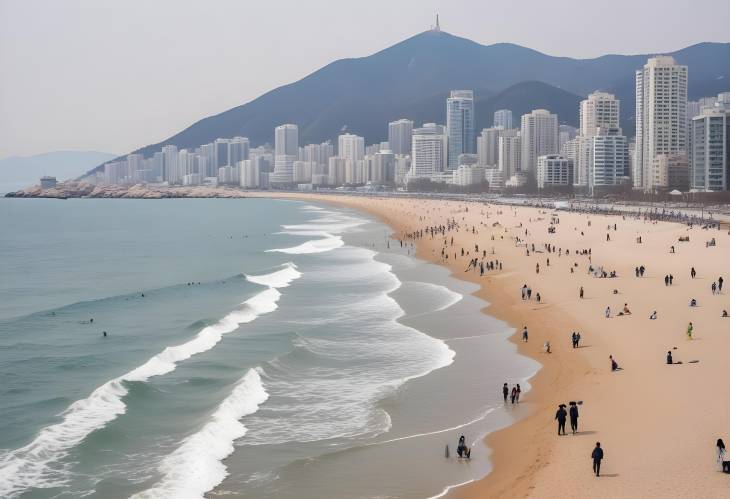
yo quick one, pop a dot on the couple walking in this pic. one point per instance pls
(562, 416)
(514, 395)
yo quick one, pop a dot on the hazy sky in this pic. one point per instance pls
(116, 75)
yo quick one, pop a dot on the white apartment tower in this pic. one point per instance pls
(661, 109)
(286, 151)
(710, 155)
(428, 150)
(459, 125)
(351, 147)
(554, 170)
(488, 146)
(510, 151)
(539, 137)
(600, 109)
(503, 118)
(399, 136)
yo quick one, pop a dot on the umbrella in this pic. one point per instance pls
(675, 192)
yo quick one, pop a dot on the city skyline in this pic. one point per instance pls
(86, 87)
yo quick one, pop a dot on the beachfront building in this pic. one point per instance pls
(286, 152)
(399, 136)
(600, 109)
(608, 163)
(578, 150)
(510, 151)
(382, 169)
(169, 168)
(539, 137)
(554, 170)
(503, 118)
(351, 147)
(668, 172)
(459, 125)
(402, 167)
(661, 117)
(710, 153)
(250, 173)
(488, 146)
(302, 172)
(428, 151)
(467, 175)
(238, 150)
(495, 178)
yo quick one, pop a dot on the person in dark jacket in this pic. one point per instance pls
(573, 411)
(505, 392)
(561, 416)
(597, 456)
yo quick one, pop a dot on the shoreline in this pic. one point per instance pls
(527, 459)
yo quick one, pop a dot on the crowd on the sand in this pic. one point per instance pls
(486, 262)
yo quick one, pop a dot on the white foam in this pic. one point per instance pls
(328, 243)
(196, 466)
(30, 466)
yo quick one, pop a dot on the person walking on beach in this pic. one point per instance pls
(581, 292)
(608, 312)
(597, 456)
(561, 415)
(720, 453)
(505, 392)
(574, 337)
(693, 273)
(714, 287)
(524, 334)
(573, 417)
(720, 280)
(513, 395)
(669, 357)
(517, 395)
(690, 329)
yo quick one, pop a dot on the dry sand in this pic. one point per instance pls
(657, 423)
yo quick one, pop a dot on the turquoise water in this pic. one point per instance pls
(254, 347)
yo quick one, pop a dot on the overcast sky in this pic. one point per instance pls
(116, 75)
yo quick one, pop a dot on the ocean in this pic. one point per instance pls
(248, 348)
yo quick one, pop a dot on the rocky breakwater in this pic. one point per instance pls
(80, 189)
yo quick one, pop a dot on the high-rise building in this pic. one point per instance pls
(661, 116)
(539, 137)
(169, 169)
(238, 150)
(221, 153)
(609, 159)
(578, 150)
(286, 152)
(600, 109)
(510, 151)
(134, 164)
(710, 154)
(554, 170)
(428, 150)
(488, 146)
(350, 147)
(399, 136)
(402, 167)
(668, 172)
(503, 118)
(336, 171)
(383, 170)
(459, 125)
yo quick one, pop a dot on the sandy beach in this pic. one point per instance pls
(657, 423)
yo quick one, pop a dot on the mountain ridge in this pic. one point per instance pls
(364, 93)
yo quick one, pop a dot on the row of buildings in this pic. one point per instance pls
(678, 145)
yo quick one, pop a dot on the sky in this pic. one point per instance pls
(115, 75)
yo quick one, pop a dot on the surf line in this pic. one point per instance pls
(29, 466)
(457, 427)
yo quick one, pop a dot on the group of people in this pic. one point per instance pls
(514, 394)
(562, 415)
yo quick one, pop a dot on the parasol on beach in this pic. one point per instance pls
(675, 192)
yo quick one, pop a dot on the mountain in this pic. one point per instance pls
(20, 171)
(363, 94)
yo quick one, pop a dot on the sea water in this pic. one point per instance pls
(253, 348)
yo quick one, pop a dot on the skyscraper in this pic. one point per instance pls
(169, 169)
(488, 146)
(503, 118)
(286, 151)
(539, 136)
(510, 150)
(661, 123)
(399, 136)
(600, 109)
(221, 153)
(459, 125)
(238, 150)
(351, 147)
(608, 163)
(428, 150)
(710, 155)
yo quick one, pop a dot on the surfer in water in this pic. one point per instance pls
(462, 450)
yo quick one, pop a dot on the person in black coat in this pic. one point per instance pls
(573, 411)
(505, 392)
(597, 456)
(561, 416)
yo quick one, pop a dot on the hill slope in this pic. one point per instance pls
(363, 94)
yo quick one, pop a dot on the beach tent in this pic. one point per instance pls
(675, 192)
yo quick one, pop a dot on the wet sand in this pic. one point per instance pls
(657, 423)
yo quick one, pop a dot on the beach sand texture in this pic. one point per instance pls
(657, 423)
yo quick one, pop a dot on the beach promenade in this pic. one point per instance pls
(657, 423)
